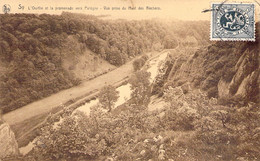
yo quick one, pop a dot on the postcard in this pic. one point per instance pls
(125, 80)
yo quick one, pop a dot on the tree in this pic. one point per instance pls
(140, 86)
(18, 55)
(38, 33)
(108, 95)
(138, 64)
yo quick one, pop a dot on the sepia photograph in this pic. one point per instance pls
(130, 80)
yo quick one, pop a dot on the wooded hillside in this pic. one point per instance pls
(32, 48)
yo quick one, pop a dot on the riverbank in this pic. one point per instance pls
(28, 118)
(85, 104)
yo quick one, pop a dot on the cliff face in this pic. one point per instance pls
(8, 144)
(245, 82)
(222, 69)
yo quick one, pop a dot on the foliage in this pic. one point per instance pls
(68, 142)
(138, 64)
(228, 132)
(33, 54)
(180, 113)
(33, 47)
(100, 134)
(107, 97)
(190, 125)
(140, 87)
(230, 63)
(224, 61)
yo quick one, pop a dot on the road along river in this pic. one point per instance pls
(124, 95)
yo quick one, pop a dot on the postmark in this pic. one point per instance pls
(233, 22)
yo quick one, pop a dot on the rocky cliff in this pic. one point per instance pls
(224, 69)
(8, 144)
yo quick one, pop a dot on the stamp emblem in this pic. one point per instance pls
(6, 8)
(235, 22)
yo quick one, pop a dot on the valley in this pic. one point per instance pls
(79, 87)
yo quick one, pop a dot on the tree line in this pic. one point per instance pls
(32, 50)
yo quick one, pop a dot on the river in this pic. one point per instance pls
(124, 95)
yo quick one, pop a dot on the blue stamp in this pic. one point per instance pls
(233, 22)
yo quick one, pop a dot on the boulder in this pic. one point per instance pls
(8, 143)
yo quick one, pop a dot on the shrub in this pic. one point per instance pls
(140, 86)
(180, 115)
(107, 97)
(138, 64)
(145, 57)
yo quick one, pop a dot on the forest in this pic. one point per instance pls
(32, 48)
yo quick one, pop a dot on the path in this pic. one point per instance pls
(45, 105)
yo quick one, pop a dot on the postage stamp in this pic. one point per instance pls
(233, 22)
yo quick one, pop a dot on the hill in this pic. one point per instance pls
(210, 111)
(223, 69)
(43, 54)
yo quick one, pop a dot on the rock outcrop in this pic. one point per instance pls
(8, 143)
(228, 70)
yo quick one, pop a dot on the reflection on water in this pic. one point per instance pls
(124, 95)
(26, 149)
(154, 65)
(124, 90)
(86, 107)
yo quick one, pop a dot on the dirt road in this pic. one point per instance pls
(46, 104)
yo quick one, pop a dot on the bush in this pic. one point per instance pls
(179, 115)
(145, 57)
(138, 64)
(107, 97)
(140, 86)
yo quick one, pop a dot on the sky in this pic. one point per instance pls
(169, 9)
